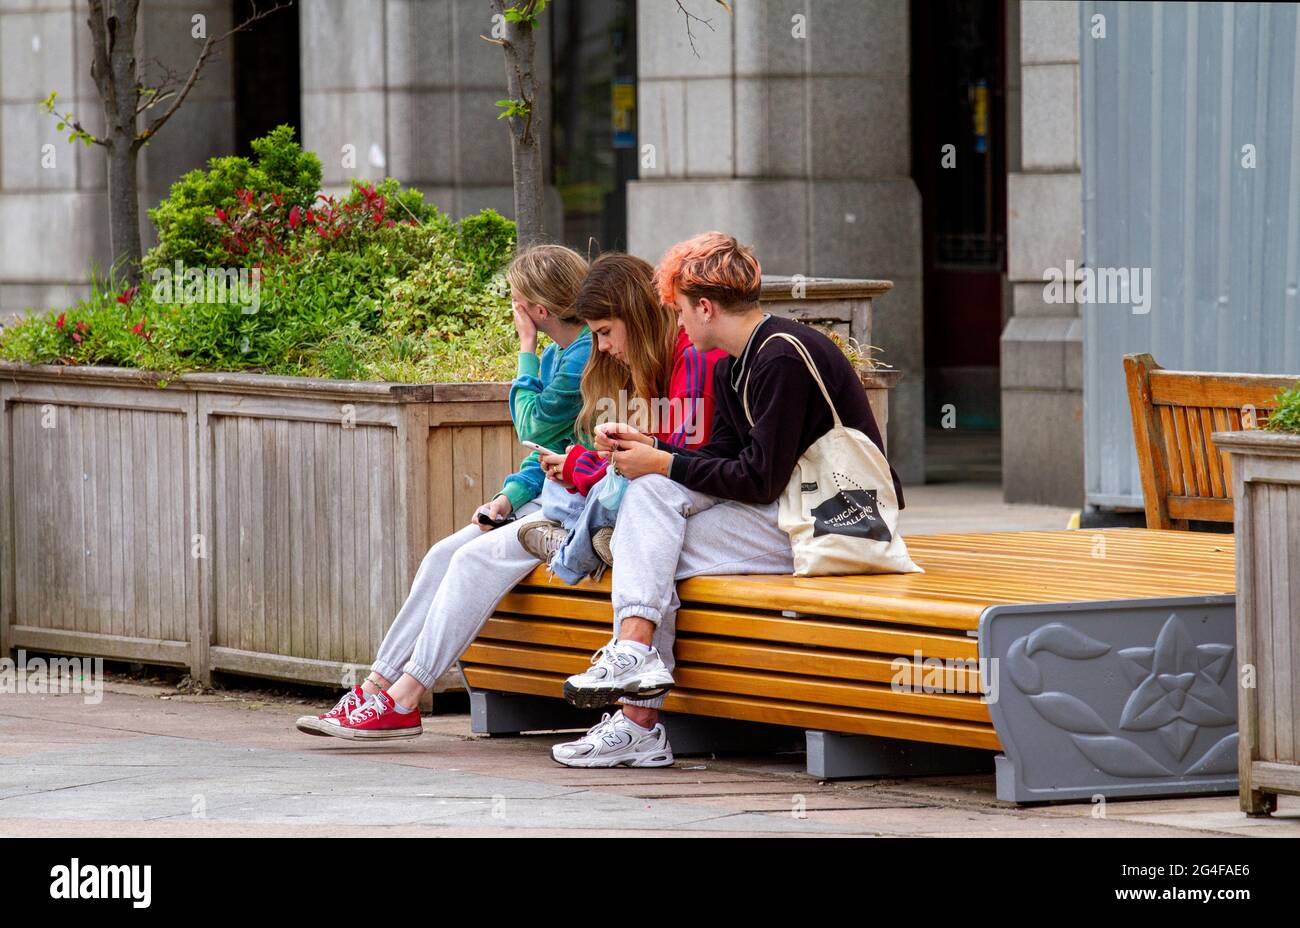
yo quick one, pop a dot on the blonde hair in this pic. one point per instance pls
(550, 275)
(620, 286)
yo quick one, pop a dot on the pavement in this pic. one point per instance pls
(974, 506)
(148, 760)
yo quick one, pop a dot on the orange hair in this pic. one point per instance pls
(713, 265)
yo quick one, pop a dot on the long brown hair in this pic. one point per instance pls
(620, 286)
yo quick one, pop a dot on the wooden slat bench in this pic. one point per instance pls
(817, 653)
(1174, 412)
(1085, 639)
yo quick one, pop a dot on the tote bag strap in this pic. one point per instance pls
(812, 369)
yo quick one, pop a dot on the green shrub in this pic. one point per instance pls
(185, 230)
(400, 302)
(1286, 412)
(375, 284)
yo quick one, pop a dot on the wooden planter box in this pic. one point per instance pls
(261, 525)
(1266, 496)
(268, 526)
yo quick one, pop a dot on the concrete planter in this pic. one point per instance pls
(1266, 497)
(842, 305)
(268, 526)
(878, 383)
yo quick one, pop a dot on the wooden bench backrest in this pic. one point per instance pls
(1183, 475)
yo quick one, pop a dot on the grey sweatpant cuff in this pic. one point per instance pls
(387, 671)
(425, 678)
(636, 611)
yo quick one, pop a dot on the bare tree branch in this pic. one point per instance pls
(690, 36)
(149, 93)
(209, 45)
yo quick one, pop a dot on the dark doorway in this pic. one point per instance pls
(959, 164)
(266, 70)
(593, 135)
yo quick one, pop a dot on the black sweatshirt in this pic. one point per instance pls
(790, 413)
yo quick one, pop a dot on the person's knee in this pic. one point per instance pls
(650, 488)
(446, 548)
(467, 555)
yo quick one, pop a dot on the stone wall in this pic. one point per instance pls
(55, 218)
(412, 87)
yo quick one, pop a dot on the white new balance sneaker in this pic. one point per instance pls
(618, 669)
(615, 741)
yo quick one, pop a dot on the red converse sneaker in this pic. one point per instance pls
(316, 724)
(378, 720)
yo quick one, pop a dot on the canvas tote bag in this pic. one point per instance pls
(839, 508)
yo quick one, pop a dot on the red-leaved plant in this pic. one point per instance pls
(262, 226)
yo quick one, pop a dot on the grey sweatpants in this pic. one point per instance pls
(458, 585)
(667, 533)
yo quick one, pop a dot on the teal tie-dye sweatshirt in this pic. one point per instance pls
(545, 399)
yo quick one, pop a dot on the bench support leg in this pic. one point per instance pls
(836, 756)
(1113, 699)
(493, 713)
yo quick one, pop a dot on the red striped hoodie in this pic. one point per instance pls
(689, 414)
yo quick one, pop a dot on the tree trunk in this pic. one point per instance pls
(525, 145)
(113, 68)
(124, 209)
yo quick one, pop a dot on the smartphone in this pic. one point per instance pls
(538, 448)
(482, 518)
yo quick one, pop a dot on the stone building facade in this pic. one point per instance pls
(787, 122)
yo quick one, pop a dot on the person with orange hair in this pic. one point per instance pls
(712, 509)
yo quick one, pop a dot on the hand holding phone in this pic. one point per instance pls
(538, 448)
(494, 514)
(616, 436)
(484, 519)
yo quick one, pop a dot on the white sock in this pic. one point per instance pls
(636, 725)
(401, 709)
(643, 648)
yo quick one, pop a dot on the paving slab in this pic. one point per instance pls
(138, 764)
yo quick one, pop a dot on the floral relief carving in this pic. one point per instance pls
(1177, 690)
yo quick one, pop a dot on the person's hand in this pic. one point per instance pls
(608, 433)
(497, 509)
(635, 459)
(553, 465)
(526, 329)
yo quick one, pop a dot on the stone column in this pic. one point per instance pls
(411, 87)
(53, 201)
(791, 130)
(1042, 344)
